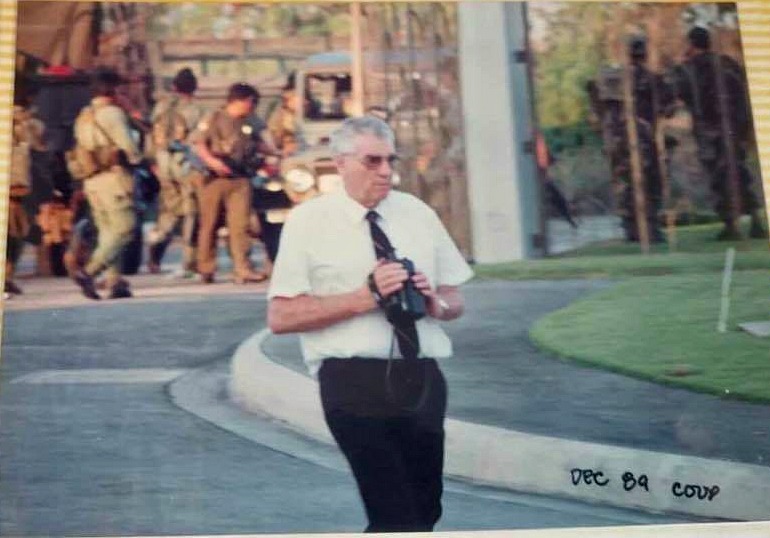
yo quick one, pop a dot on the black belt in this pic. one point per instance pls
(397, 360)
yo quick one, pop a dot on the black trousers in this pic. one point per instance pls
(388, 419)
(271, 235)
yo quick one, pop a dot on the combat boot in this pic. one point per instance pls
(153, 255)
(250, 277)
(757, 231)
(121, 290)
(12, 288)
(86, 283)
(657, 236)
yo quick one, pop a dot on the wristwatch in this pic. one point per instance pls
(443, 304)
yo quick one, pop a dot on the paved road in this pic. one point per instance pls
(84, 451)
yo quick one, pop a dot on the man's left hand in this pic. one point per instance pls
(422, 284)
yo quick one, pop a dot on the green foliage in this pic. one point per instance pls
(248, 20)
(567, 136)
(572, 53)
(583, 173)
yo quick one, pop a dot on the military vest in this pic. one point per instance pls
(95, 151)
(168, 125)
(23, 139)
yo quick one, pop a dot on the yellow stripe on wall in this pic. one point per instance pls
(754, 20)
(7, 58)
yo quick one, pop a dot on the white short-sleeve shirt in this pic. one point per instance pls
(326, 249)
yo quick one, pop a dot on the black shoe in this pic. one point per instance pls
(121, 290)
(12, 288)
(87, 285)
(207, 278)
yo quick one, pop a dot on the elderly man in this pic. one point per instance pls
(341, 282)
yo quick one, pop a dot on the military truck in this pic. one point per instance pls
(326, 82)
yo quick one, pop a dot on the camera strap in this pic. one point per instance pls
(406, 330)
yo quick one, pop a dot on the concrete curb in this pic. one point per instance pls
(617, 476)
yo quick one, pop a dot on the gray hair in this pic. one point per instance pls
(343, 140)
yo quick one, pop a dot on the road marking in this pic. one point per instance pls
(101, 376)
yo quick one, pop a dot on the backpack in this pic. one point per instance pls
(82, 162)
(168, 126)
(20, 165)
(24, 138)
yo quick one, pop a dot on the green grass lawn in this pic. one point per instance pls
(664, 329)
(659, 321)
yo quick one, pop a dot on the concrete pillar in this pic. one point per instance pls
(502, 176)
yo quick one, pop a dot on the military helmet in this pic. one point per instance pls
(699, 38)
(637, 47)
(185, 81)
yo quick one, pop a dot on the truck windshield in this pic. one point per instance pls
(329, 96)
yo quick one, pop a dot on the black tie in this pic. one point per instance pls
(382, 246)
(406, 330)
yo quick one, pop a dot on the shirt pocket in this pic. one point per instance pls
(340, 264)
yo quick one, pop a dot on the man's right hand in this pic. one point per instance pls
(389, 277)
(220, 168)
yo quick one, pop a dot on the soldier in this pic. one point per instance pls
(229, 141)
(103, 152)
(173, 119)
(282, 123)
(652, 98)
(696, 84)
(27, 135)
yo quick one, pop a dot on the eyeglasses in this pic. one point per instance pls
(373, 162)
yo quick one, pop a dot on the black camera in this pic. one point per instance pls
(407, 304)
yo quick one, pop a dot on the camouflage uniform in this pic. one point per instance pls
(651, 97)
(110, 190)
(177, 201)
(695, 84)
(27, 135)
(235, 140)
(282, 125)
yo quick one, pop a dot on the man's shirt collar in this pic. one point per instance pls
(356, 212)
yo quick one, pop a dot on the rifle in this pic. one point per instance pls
(189, 155)
(248, 168)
